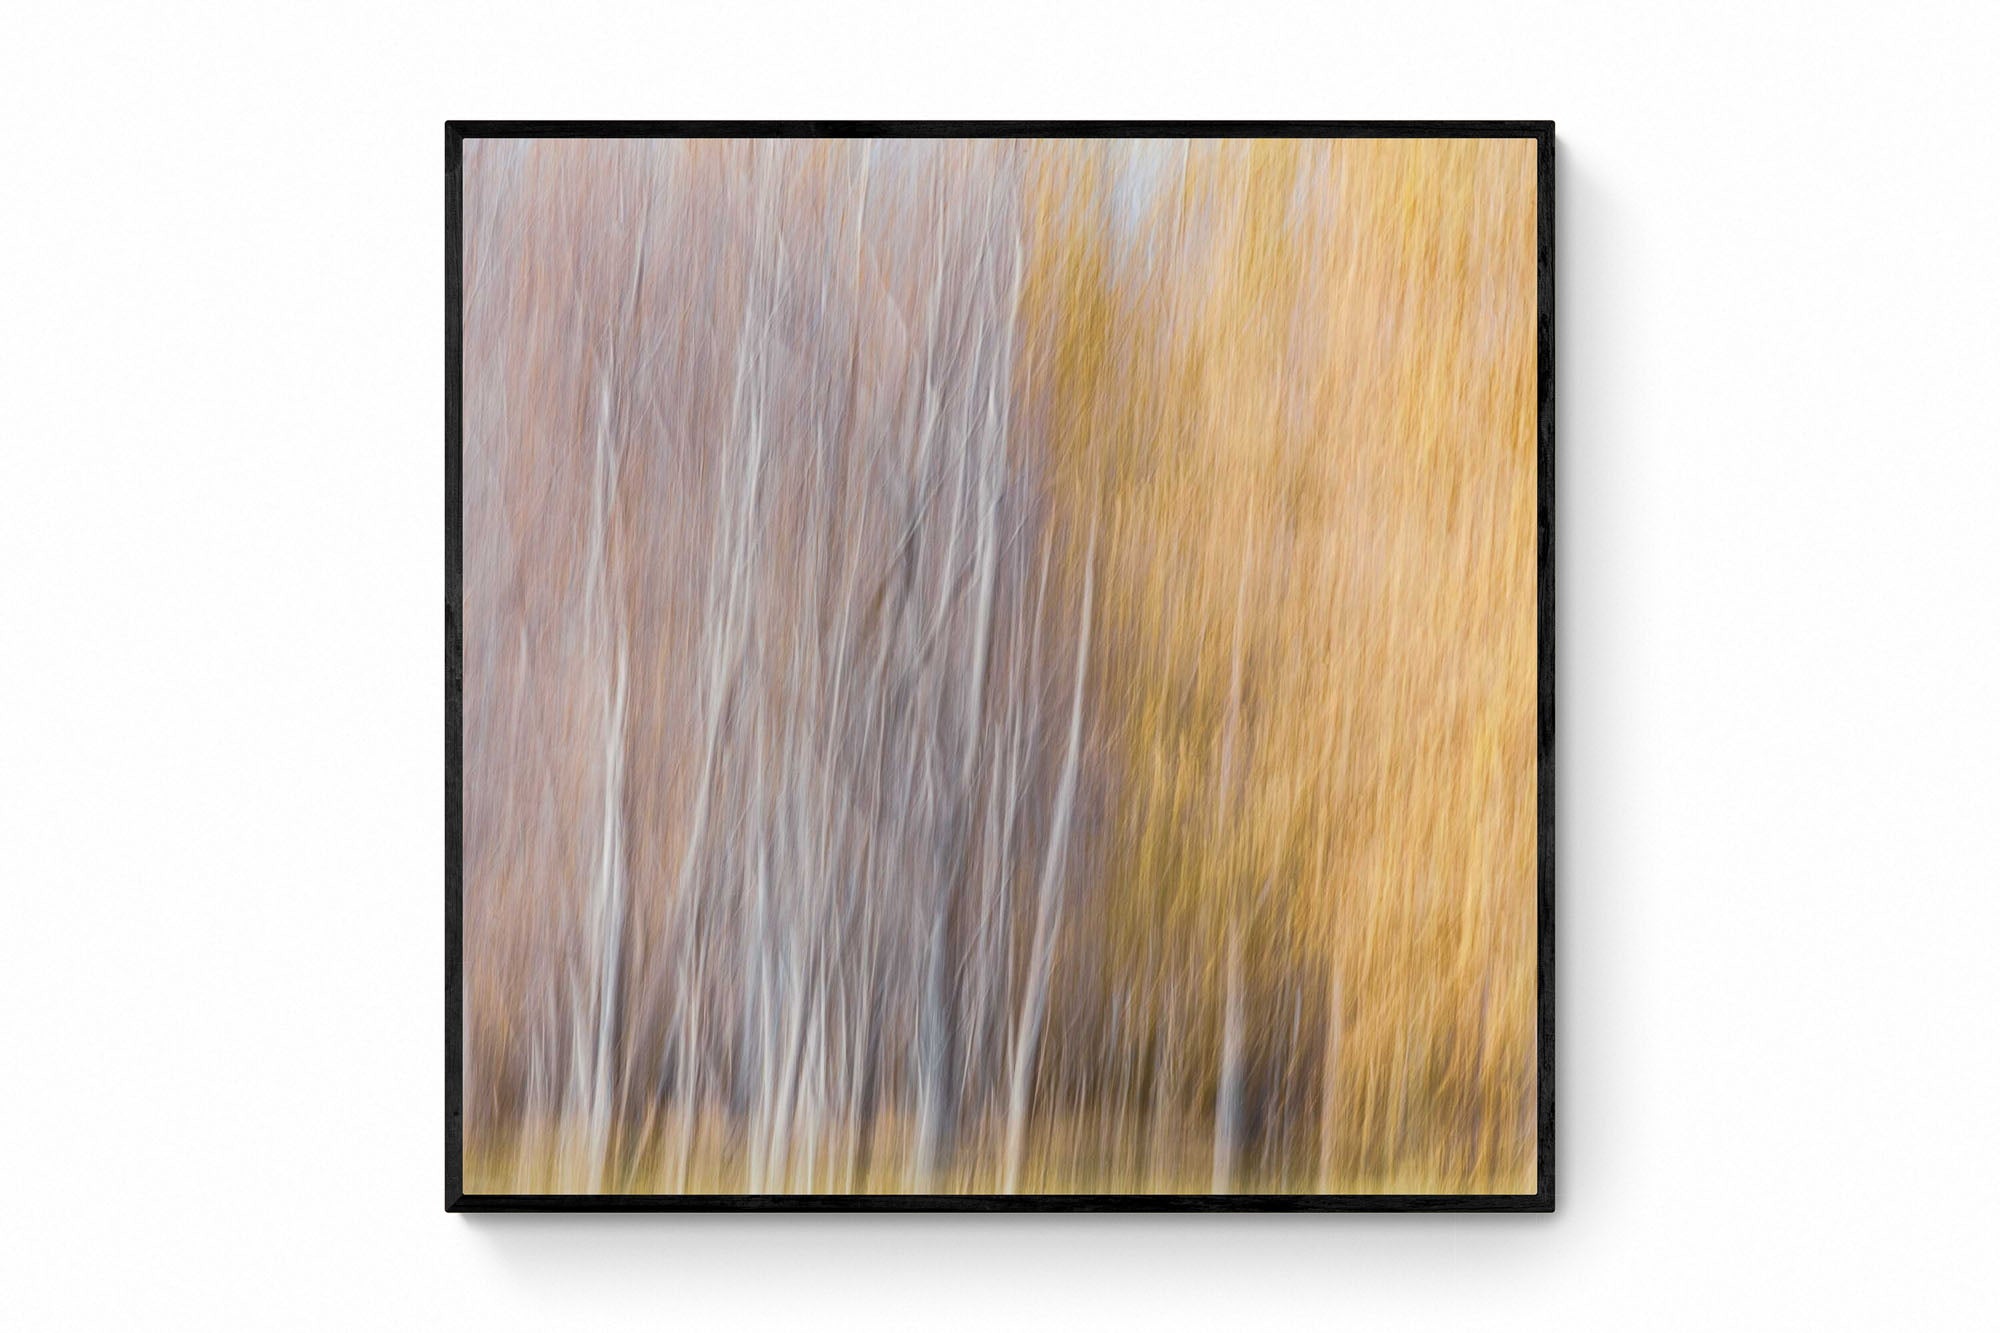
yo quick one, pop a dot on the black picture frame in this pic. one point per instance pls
(1541, 1201)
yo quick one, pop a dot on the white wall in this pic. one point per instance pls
(220, 575)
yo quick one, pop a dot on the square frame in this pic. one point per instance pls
(1542, 1201)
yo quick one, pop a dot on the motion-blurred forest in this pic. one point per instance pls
(999, 666)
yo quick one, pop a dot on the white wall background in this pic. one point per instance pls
(221, 837)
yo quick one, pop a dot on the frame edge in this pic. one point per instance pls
(457, 1200)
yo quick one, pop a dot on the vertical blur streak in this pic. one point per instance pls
(999, 666)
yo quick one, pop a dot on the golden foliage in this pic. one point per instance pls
(1313, 450)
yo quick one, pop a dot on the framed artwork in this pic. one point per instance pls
(998, 665)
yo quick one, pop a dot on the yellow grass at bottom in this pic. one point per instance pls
(1064, 1158)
